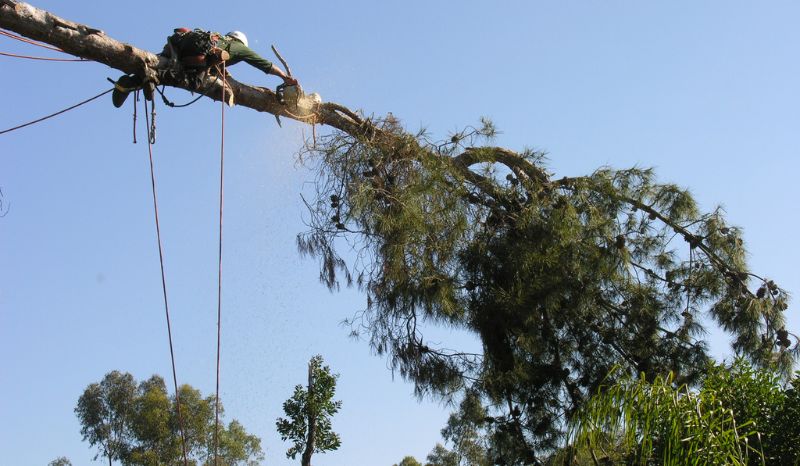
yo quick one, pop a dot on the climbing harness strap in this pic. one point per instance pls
(169, 103)
(121, 88)
(194, 48)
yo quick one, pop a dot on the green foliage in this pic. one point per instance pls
(60, 461)
(309, 412)
(152, 425)
(105, 411)
(468, 431)
(756, 398)
(653, 422)
(559, 279)
(441, 456)
(408, 461)
(784, 440)
(740, 415)
(139, 425)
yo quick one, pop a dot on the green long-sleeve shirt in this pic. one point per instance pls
(240, 52)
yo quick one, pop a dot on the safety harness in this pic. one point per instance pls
(195, 48)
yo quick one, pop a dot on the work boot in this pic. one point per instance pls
(124, 86)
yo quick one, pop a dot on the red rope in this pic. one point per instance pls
(41, 58)
(164, 284)
(57, 113)
(219, 274)
(29, 41)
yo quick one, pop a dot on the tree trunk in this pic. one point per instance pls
(108, 443)
(312, 419)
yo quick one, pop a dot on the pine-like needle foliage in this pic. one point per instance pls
(561, 279)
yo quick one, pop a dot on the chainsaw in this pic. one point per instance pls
(289, 94)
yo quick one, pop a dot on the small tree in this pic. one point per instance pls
(409, 461)
(105, 411)
(237, 447)
(138, 425)
(441, 456)
(60, 461)
(468, 431)
(309, 412)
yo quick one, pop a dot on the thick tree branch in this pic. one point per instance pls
(93, 44)
(514, 161)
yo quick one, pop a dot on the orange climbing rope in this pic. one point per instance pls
(13, 55)
(164, 280)
(56, 113)
(38, 44)
(49, 47)
(29, 41)
(150, 141)
(219, 274)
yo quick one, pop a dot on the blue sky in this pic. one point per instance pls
(705, 93)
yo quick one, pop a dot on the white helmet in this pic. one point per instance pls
(238, 35)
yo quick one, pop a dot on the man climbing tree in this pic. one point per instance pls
(196, 51)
